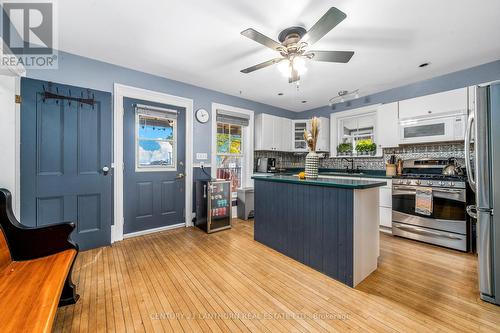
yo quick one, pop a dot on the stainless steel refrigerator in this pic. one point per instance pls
(482, 150)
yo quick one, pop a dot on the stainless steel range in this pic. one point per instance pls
(445, 222)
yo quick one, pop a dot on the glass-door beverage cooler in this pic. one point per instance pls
(213, 205)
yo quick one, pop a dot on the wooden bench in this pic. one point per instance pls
(35, 271)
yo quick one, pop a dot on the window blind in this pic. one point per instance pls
(233, 118)
(154, 111)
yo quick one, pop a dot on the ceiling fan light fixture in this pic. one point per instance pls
(299, 64)
(285, 68)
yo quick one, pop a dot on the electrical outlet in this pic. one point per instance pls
(201, 156)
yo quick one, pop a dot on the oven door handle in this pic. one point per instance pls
(403, 192)
(425, 232)
(448, 190)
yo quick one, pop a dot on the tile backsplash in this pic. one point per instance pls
(434, 150)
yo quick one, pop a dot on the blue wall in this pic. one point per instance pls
(84, 72)
(479, 74)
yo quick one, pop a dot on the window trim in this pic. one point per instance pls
(155, 168)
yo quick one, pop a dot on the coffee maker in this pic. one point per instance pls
(266, 165)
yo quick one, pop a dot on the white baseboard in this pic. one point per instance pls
(386, 230)
(150, 231)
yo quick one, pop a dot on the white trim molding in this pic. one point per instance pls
(121, 91)
(248, 138)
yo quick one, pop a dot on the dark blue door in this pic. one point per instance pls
(154, 158)
(64, 147)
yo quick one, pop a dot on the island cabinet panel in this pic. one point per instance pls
(311, 224)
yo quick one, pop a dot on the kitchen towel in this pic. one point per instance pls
(423, 200)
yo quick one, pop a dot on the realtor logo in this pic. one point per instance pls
(28, 33)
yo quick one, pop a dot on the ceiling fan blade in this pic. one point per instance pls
(326, 23)
(294, 77)
(261, 39)
(261, 65)
(331, 56)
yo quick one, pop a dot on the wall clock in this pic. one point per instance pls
(202, 116)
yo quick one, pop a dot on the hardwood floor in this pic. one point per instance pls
(186, 280)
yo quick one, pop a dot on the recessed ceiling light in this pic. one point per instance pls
(280, 94)
(425, 64)
(304, 102)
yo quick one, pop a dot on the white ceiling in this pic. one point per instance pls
(199, 42)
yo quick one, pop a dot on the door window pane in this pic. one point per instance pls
(155, 141)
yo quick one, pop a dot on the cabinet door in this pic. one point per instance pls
(435, 104)
(264, 132)
(298, 142)
(323, 144)
(285, 134)
(388, 125)
(385, 215)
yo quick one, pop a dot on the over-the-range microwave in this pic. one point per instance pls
(445, 127)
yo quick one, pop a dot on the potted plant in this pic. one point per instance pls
(344, 149)
(372, 149)
(312, 159)
(366, 147)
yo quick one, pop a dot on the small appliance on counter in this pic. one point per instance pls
(213, 205)
(266, 164)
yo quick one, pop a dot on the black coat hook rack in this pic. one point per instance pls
(49, 94)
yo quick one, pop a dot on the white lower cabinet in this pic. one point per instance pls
(385, 201)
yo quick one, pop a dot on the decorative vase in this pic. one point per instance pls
(312, 165)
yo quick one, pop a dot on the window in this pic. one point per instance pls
(230, 154)
(156, 145)
(356, 128)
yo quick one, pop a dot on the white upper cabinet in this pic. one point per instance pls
(272, 133)
(388, 125)
(283, 134)
(299, 144)
(264, 132)
(435, 104)
(323, 144)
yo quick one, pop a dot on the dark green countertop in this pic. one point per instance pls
(380, 174)
(353, 184)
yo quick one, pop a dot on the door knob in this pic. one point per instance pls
(105, 170)
(179, 176)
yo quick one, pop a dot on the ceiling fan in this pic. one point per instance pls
(293, 45)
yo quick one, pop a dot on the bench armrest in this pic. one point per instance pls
(26, 243)
(32, 243)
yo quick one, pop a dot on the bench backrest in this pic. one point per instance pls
(5, 259)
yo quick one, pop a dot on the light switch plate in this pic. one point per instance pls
(201, 156)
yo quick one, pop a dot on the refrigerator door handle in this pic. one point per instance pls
(467, 143)
(472, 211)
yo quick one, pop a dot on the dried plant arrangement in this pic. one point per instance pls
(311, 137)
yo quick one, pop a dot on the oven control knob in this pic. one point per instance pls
(429, 182)
(408, 182)
(418, 182)
(452, 184)
(441, 183)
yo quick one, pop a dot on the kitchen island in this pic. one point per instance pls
(329, 224)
